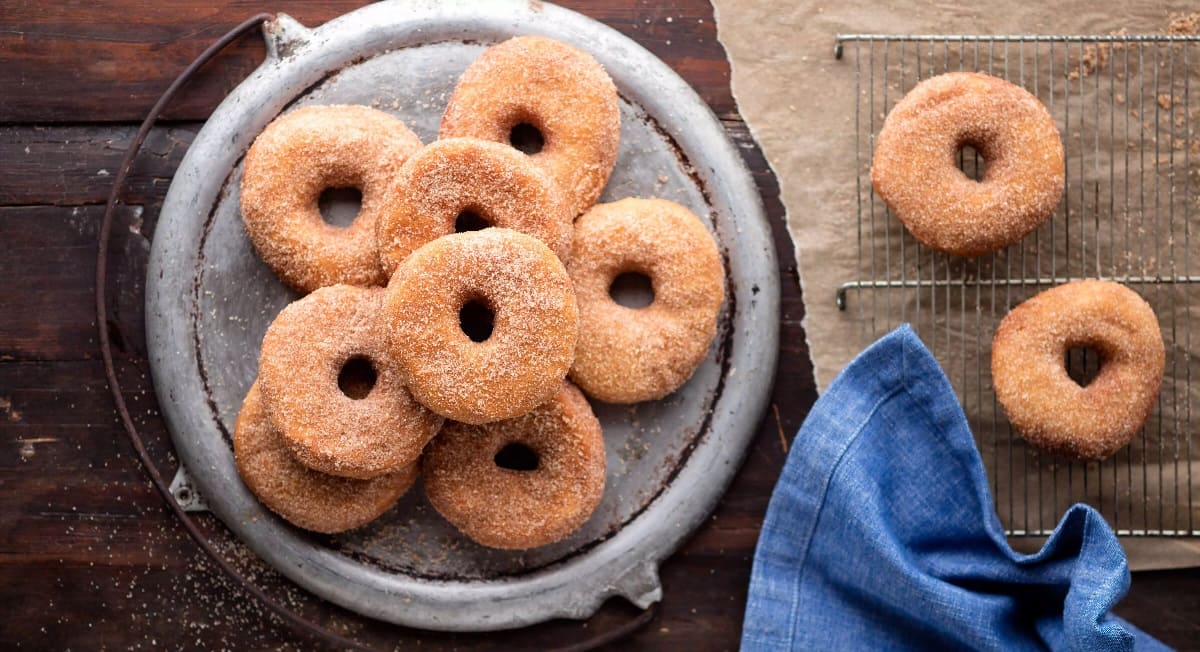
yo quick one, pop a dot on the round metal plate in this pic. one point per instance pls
(209, 301)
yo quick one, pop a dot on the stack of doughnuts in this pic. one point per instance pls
(452, 330)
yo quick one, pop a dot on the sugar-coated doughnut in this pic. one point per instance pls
(308, 499)
(547, 497)
(296, 158)
(915, 167)
(562, 92)
(1043, 403)
(626, 355)
(466, 176)
(500, 374)
(311, 354)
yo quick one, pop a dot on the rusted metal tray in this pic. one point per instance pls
(210, 299)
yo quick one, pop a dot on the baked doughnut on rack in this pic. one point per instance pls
(1044, 404)
(915, 170)
(558, 97)
(296, 158)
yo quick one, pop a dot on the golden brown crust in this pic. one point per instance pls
(302, 355)
(505, 508)
(496, 182)
(293, 160)
(561, 91)
(915, 170)
(311, 500)
(626, 355)
(1049, 408)
(532, 344)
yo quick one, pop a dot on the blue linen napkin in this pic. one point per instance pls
(881, 533)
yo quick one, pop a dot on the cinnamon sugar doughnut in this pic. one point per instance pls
(1043, 403)
(626, 355)
(558, 90)
(558, 452)
(311, 500)
(502, 373)
(915, 168)
(467, 176)
(309, 356)
(303, 153)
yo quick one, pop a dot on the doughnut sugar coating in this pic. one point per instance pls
(306, 355)
(520, 508)
(915, 167)
(494, 182)
(306, 498)
(627, 355)
(297, 157)
(535, 324)
(1044, 404)
(559, 90)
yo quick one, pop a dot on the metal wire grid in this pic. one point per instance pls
(1129, 125)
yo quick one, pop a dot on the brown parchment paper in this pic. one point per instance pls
(799, 102)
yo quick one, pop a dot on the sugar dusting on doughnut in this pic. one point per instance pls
(916, 173)
(303, 153)
(311, 500)
(535, 328)
(561, 91)
(495, 182)
(627, 355)
(303, 353)
(1043, 403)
(519, 509)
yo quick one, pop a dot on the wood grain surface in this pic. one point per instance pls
(89, 556)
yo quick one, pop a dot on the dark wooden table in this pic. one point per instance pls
(89, 556)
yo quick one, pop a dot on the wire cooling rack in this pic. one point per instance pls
(1132, 138)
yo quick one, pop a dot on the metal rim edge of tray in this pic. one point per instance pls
(626, 564)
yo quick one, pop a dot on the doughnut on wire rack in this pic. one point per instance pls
(1124, 106)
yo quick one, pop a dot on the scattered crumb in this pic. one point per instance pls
(1182, 24)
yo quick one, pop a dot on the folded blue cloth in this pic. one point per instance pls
(881, 534)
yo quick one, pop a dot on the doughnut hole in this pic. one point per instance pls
(632, 290)
(477, 319)
(526, 138)
(340, 206)
(972, 161)
(517, 457)
(469, 220)
(357, 377)
(1083, 364)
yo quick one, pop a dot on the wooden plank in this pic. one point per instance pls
(49, 266)
(73, 165)
(85, 62)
